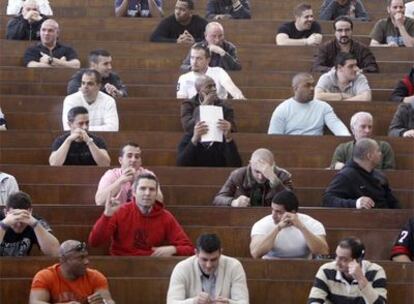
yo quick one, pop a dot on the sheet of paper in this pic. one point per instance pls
(211, 115)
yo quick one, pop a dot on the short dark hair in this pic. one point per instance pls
(19, 200)
(130, 143)
(94, 55)
(145, 176)
(342, 57)
(208, 243)
(343, 18)
(75, 111)
(300, 8)
(287, 199)
(202, 46)
(355, 245)
(190, 3)
(89, 72)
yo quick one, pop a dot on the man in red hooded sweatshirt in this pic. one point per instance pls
(141, 227)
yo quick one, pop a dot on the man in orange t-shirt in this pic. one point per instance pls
(70, 281)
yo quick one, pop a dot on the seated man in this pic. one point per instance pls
(78, 147)
(362, 127)
(101, 107)
(142, 227)
(303, 31)
(404, 91)
(344, 43)
(332, 9)
(26, 26)
(49, 53)
(101, 61)
(303, 115)
(117, 182)
(222, 52)
(350, 278)
(359, 185)
(228, 9)
(182, 27)
(199, 60)
(286, 233)
(138, 8)
(256, 184)
(20, 230)
(402, 123)
(8, 185)
(394, 31)
(14, 7)
(70, 281)
(208, 267)
(403, 249)
(345, 82)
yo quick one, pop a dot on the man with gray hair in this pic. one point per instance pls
(304, 115)
(359, 185)
(362, 127)
(256, 184)
(70, 280)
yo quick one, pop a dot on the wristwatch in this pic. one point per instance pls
(50, 60)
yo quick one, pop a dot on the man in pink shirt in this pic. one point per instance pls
(118, 181)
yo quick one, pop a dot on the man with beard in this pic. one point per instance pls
(350, 278)
(344, 83)
(303, 31)
(303, 115)
(70, 281)
(182, 27)
(343, 43)
(286, 233)
(394, 31)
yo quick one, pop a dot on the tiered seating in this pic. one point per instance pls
(32, 101)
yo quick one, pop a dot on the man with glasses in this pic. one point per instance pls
(70, 281)
(343, 43)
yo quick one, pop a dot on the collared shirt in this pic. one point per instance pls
(208, 283)
(33, 53)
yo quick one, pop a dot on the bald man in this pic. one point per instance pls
(26, 26)
(70, 281)
(222, 52)
(256, 184)
(50, 53)
(303, 115)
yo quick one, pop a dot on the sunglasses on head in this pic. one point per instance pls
(78, 248)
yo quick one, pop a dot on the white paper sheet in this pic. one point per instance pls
(211, 115)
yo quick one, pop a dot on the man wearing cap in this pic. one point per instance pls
(70, 281)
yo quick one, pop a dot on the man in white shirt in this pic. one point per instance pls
(199, 60)
(286, 233)
(303, 115)
(409, 9)
(101, 107)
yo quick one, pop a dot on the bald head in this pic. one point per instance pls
(49, 32)
(214, 33)
(302, 85)
(300, 78)
(363, 148)
(262, 154)
(51, 23)
(71, 246)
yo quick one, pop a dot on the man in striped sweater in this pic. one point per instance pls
(349, 279)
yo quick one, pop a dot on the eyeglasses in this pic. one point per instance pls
(78, 248)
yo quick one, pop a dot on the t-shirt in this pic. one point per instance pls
(329, 83)
(289, 242)
(79, 153)
(62, 290)
(33, 52)
(186, 83)
(385, 32)
(404, 243)
(20, 244)
(138, 8)
(290, 29)
(409, 9)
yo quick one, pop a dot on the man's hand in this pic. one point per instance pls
(200, 129)
(225, 126)
(292, 219)
(186, 38)
(266, 169)
(164, 251)
(409, 133)
(75, 135)
(96, 298)
(32, 16)
(203, 298)
(44, 58)
(112, 90)
(392, 44)
(111, 205)
(314, 39)
(221, 300)
(216, 49)
(365, 202)
(210, 98)
(128, 175)
(399, 19)
(241, 201)
(19, 216)
(222, 17)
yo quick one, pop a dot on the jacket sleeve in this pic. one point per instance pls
(320, 63)
(161, 33)
(369, 63)
(102, 231)
(232, 155)
(211, 9)
(360, 12)
(397, 126)
(337, 192)
(327, 10)
(189, 115)
(75, 82)
(230, 61)
(16, 29)
(120, 85)
(242, 11)
(400, 92)
(226, 194)
(177, 289)
(178, 238)
(186, 151)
